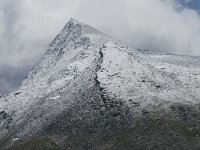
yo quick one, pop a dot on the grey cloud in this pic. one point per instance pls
(10, 10)
(11, 77)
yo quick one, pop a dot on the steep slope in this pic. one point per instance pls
(88, 88)
(61, 94)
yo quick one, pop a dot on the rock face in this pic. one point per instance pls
(88, 89)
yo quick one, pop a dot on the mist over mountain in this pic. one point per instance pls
(27, 27)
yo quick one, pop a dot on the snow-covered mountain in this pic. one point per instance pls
(89, 86)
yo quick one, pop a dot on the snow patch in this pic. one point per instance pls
(15, 139)
(54, 98)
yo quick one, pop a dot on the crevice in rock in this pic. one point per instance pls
(112, 108)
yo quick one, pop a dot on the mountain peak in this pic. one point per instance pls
(74, 21)
(75, 26)
(71, 23)
(77, 42)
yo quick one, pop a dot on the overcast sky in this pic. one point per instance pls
(28, 26)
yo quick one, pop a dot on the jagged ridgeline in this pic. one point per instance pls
(90, 92)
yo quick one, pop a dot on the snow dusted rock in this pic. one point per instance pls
(149, 80)
(87, 87)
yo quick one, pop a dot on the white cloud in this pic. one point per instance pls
(154, 24)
